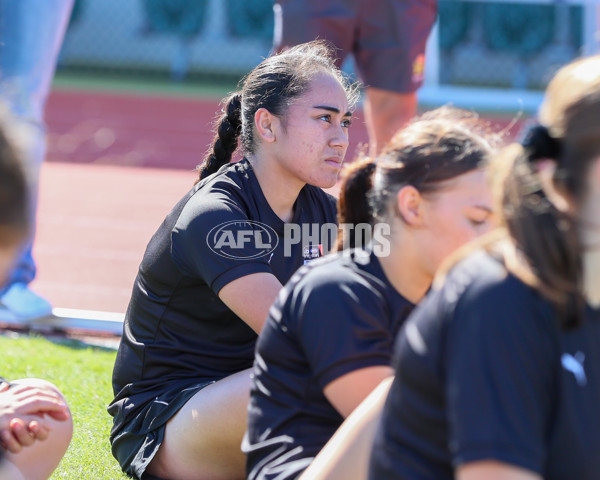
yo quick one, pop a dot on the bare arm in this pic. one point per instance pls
(251, 297)
(347, 454)
(346, 392)
(494, 470)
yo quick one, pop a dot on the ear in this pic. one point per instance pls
(410, 205)
(265, 123)
(545, 170)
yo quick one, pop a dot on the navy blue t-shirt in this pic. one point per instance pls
(177, 331)
(335, 316)
(484, 372)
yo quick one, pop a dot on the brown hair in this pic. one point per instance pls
(437, 146)
(548, 236)
(273, 85)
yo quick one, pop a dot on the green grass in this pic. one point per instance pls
(83, 374)
(212, 89)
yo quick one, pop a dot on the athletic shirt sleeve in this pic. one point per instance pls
(199, 252)
(342, 327)
(499, 370)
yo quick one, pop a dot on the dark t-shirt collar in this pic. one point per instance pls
(274, 221)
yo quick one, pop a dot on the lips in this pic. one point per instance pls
(334, 161)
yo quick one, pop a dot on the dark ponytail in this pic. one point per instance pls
(542, 214)
(228, 129)
(353, 208)
(547, 237)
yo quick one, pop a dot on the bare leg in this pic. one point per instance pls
(385, 113)
(38, 461)
(203, 440)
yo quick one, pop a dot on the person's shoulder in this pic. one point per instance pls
(231, 176)
(481, 287)
(339, 274)
(223, 190)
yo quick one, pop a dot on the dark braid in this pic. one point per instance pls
(228, 129)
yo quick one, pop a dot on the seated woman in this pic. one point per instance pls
(328, 339)
(498, 372)
(35, 423)
(214, 267)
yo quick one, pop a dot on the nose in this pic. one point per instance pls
(339, 138)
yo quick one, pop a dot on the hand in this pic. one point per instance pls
(23, 411)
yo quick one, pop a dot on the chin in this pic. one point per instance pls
(326, 182)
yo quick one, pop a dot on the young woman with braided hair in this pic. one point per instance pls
(498, 370)
(214, 267)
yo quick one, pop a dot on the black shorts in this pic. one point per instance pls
(386, 37)
(136, 439)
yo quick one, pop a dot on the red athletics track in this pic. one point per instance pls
(116, 165)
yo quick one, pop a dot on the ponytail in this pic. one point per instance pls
(228, 129)
(352, 207)
(546, 236)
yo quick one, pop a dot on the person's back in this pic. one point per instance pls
(299, 353)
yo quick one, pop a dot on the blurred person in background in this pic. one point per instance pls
(31, 34)
(498, 370)
(35, 423)
(182, 374)
(387, 39)
(329, 337)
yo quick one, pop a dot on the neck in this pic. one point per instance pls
(402, 269)
(280, 190)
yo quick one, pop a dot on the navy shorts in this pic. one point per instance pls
(136, 438)
(386, 37)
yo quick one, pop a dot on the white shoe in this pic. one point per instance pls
(20, 304)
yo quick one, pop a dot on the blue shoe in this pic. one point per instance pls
(20, 304)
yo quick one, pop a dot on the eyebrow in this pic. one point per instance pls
(332, 109)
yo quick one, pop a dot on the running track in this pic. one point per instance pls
(116, 165)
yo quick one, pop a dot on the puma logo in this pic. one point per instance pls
(574, 364)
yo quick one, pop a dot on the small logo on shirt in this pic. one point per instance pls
(574, 364)
(418, 69)
(312, 252)
(242, 239)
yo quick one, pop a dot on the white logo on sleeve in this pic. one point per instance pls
(574, 364)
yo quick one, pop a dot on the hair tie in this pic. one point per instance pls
(540, 144)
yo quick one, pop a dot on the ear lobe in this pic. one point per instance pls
(264, 124)
(410, 205)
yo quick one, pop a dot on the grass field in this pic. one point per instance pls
(83, 374)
